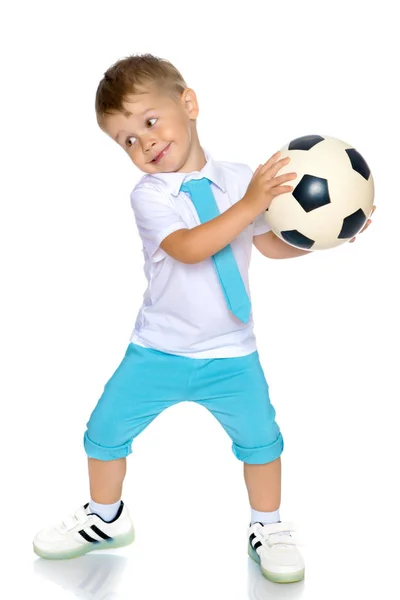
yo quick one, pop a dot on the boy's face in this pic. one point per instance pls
(158, 132)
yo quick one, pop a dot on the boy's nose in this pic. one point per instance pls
(148, 144)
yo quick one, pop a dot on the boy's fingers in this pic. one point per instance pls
(275, 168)
(271, 160)
(281, 189)
(283, 178)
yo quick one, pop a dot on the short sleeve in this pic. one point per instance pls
(155, 218)
(260, 225)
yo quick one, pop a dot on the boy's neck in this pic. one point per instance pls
(196, 159)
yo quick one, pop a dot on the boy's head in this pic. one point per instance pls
(144, 104)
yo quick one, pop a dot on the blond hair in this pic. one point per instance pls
(130, 75)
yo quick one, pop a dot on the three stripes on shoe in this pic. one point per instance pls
(96, 530)
(251, 540)
(254, 537)
(100, 533)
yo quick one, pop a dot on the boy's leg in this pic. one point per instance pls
(235, 391)
(132, 398)
(139, 390)
(106, 479)
(264, 485)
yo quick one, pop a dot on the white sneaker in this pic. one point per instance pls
(274, 548)
(83, 532)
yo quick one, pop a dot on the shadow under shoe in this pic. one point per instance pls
(91, 577)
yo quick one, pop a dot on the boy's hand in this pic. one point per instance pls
(264, 185)
(367, 224)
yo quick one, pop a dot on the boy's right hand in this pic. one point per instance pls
(265, 185)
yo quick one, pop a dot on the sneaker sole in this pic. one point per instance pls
(118, 542)
(276, 577)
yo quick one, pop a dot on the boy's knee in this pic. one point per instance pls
(259, 455)
(101, 451)
(103, 438)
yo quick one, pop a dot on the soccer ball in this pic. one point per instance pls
(332, 196)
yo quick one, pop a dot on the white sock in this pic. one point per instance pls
(265, 517)
(106, 511)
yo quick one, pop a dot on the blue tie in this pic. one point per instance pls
(224, 261)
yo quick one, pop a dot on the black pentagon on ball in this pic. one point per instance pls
(305, 143)
(311, 192)
(297, 239)
(358, 163)
(352, 224)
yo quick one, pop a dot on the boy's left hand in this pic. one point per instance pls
(367, 224)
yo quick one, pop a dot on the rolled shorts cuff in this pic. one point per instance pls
(260, 455)
(105, 453)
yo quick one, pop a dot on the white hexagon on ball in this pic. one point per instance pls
(332, 196)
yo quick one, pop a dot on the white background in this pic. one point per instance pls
(72, 283)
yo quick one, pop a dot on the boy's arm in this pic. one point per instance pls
(195, 245)
(271, 246)
(201, 242)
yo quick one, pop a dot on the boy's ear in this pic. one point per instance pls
(190, 103)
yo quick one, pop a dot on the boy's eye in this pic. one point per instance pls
(149, 123)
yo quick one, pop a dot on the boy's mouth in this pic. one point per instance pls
(159, 156)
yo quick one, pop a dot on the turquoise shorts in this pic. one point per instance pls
(148, 381)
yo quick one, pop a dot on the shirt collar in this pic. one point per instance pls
(212, 170)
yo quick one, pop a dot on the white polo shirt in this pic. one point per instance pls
(184, 310)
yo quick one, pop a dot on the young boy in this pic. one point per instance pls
(193, 338)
